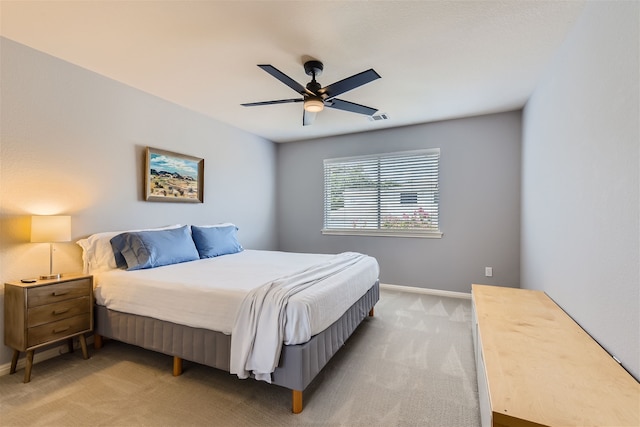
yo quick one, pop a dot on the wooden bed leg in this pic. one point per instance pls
(297, 401)
(177, 366)
(370, 312)
(97, 341)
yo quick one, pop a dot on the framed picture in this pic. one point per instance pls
(173, 177)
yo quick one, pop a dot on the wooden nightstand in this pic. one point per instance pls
(46, 311)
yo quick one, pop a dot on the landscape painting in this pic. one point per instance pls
(173, 177)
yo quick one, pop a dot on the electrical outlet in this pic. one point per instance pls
(488, 271)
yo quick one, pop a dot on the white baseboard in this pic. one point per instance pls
(438, 292)
(41, 356)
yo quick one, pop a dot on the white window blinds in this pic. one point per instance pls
(388, 194)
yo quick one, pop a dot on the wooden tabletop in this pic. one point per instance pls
(66, 277)
(543, 368)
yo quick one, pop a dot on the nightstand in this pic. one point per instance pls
(44, 312)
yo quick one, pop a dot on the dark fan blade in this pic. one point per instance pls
(284, 78)
(349, 83)
(308, 118)
(279, 101)
(350, 106)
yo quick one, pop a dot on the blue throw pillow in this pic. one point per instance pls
(216, 241)
(148, 249)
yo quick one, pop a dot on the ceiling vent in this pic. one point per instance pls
(378, 117)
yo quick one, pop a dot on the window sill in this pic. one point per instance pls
(383, 233)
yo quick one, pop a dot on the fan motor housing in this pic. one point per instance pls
(313, 86)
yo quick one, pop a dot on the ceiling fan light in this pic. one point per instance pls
(313, 104)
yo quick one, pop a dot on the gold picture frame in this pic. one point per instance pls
(173, 177)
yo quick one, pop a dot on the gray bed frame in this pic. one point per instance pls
(299, 364)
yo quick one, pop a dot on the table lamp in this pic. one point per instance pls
(50, 229)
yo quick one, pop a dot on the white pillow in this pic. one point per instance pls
(97, 253)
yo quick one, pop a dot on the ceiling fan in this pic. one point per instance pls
(315, 97)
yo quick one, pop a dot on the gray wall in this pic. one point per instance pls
(581, 208)
(72, 142)
(479, 201)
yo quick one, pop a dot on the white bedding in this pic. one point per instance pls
(258, 332)
(208, 293)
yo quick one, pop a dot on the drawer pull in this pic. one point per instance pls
(57, 331)
(59, 293)
(56, 312)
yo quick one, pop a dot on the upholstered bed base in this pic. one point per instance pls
(299, 364)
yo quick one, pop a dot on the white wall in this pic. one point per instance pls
(72, 143)
(580, 202)
(479, 202)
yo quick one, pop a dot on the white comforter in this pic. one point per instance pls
(208, 293)
(258, 332)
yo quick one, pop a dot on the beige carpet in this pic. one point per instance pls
(410, 365)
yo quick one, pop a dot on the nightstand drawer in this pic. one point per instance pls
(58, 330)
(58, 311)
(59, 292)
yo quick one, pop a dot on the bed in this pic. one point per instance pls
(194, 293)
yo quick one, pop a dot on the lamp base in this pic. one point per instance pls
(50, 276)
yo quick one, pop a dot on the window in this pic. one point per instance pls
(394, 194)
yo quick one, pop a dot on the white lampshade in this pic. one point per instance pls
(313, 104)
(50, 228)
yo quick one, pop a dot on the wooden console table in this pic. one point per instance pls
(537, 367)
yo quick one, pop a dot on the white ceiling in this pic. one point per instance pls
(438, 59)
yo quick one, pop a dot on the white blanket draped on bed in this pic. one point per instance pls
(258, 332)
